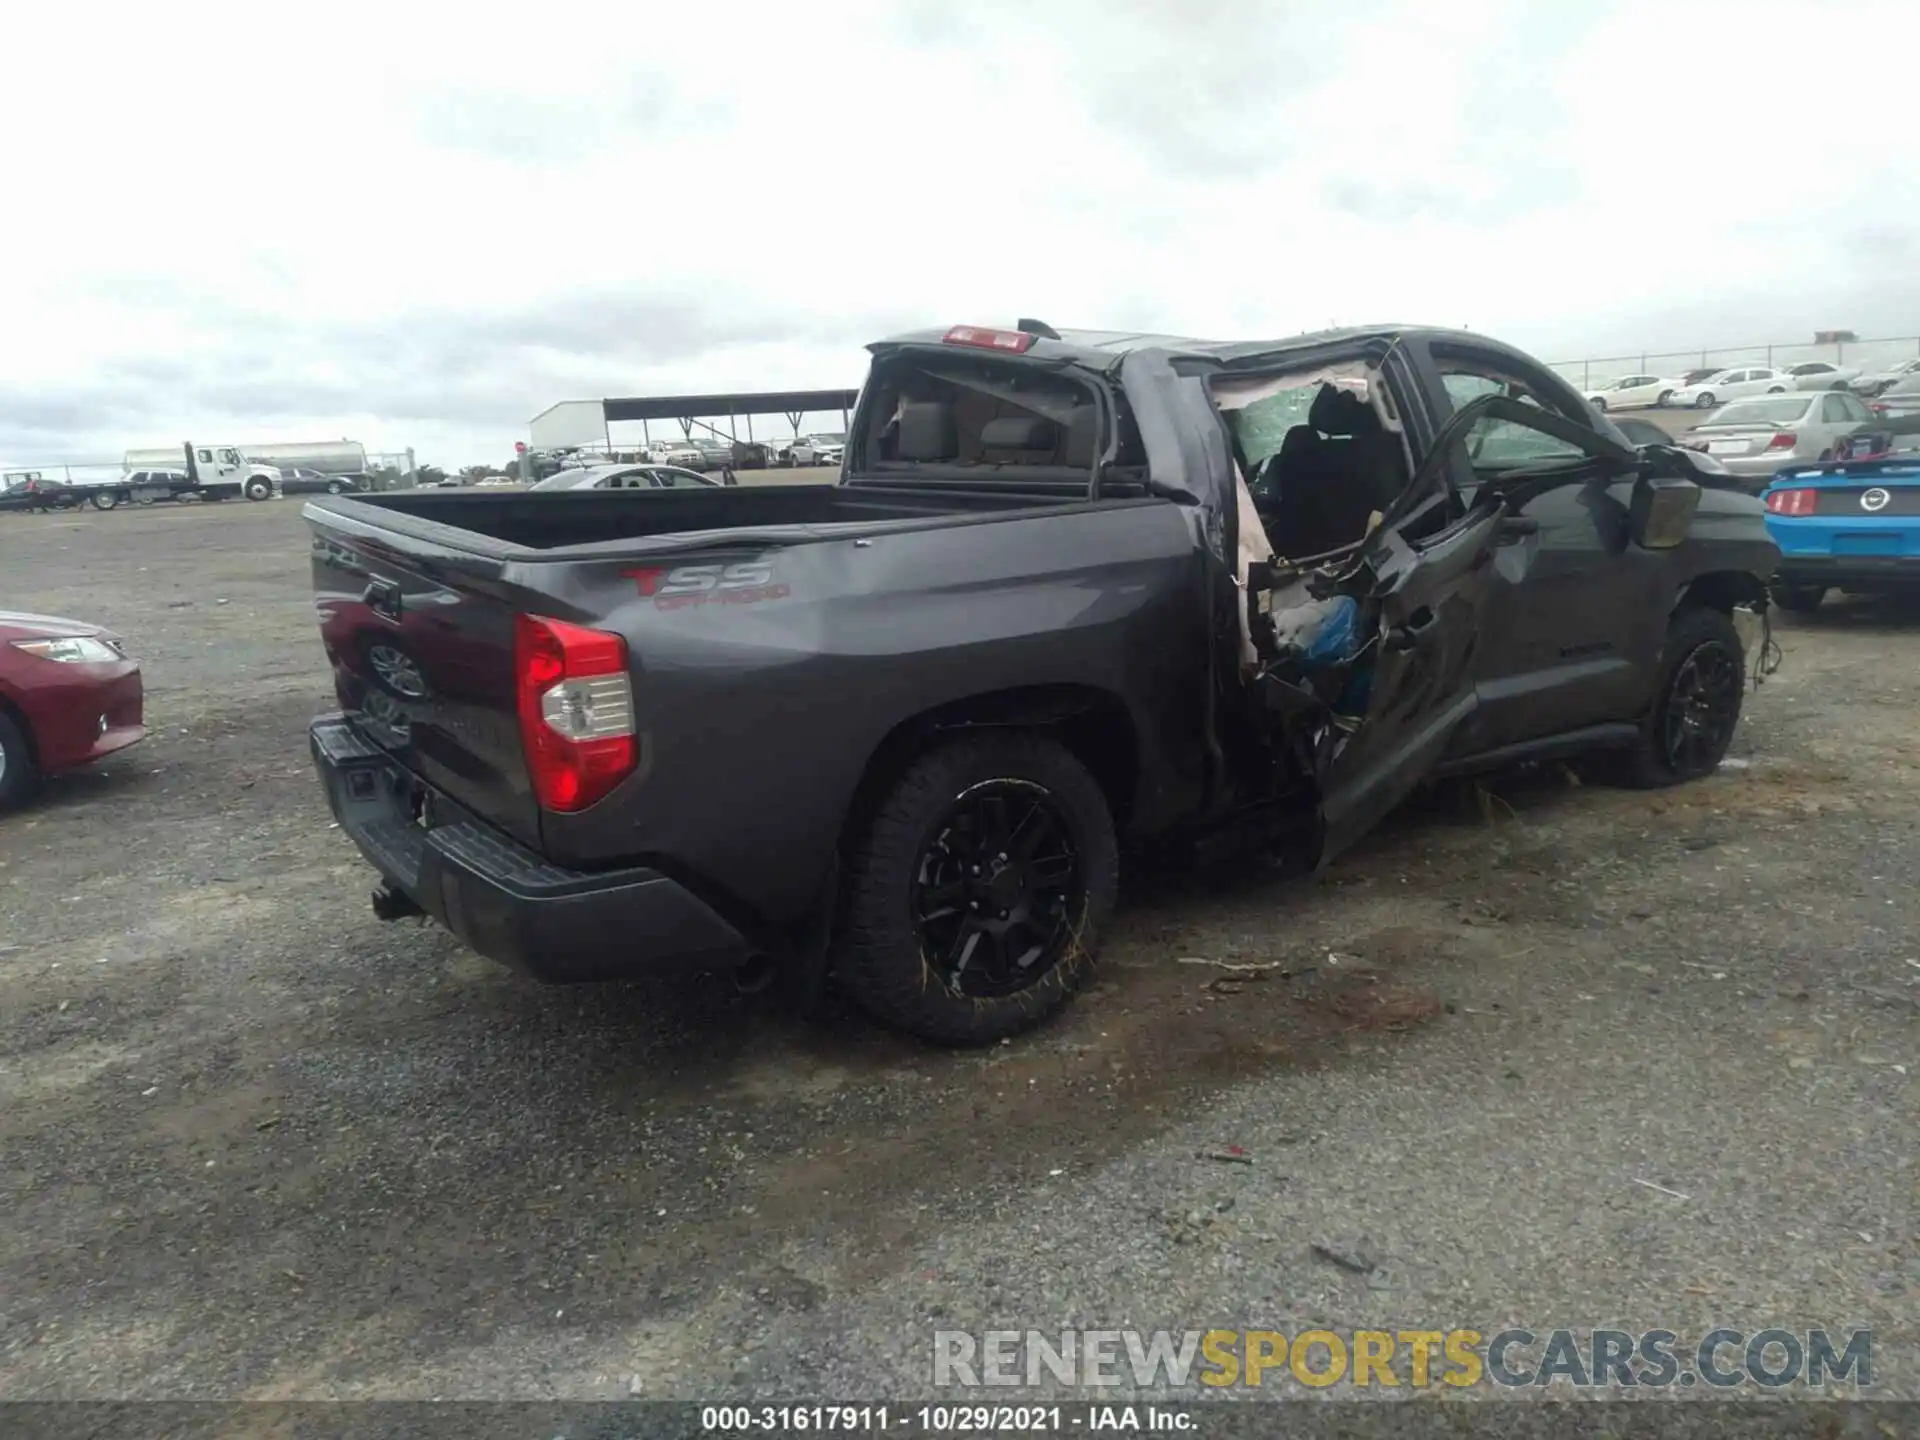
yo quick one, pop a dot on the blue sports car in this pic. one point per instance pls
(1852, 525)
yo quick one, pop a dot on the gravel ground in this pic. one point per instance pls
(260, 1145)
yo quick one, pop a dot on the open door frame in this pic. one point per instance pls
(1427, 596)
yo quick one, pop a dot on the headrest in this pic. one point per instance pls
(1341, 412)
(1017, 432)
(1299, 438)
(927, 431)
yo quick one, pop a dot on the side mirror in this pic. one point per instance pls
(1661, 511)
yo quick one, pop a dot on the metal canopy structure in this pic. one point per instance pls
(714, 407)
(693, 411)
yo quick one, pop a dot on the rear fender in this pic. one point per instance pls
(1094, 725)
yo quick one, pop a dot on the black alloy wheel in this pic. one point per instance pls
(997, 888)
(1697, 696)
(1701, 709)
(976, 887)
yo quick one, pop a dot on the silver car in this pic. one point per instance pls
(1754, 438)
(1899, 400)
(625, 477)
(1875, 382)
(1822, 375)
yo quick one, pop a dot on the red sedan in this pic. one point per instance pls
(68, 695)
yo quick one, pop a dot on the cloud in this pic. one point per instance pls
(427, 238)
(433, 367)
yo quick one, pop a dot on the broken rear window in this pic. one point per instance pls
(1005, 417)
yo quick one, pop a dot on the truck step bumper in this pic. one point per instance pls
(506, 902)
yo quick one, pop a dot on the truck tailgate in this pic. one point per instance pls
(420, 639)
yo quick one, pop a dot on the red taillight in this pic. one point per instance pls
(1016, 342)
(576, 710)
(1877, 408)
(1783, 440)
(1791, 502)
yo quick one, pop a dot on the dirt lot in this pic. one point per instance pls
(259, 1144)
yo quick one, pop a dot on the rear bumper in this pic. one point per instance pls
(1850, 572)
(503, 900)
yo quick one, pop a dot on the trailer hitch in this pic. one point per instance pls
(392, 904)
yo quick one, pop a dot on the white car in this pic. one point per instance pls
(1734, 385)
(817, 450)
(1819, 375)
(1885, 377)
(1633, 392)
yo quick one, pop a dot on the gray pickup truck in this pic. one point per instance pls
(1072, 594)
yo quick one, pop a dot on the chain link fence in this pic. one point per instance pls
(1864, 355)
(391, 470)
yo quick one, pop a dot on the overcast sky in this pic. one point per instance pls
(420, 225)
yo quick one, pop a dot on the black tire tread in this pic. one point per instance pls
(877, 956)
(22, 775)
(1642, 767)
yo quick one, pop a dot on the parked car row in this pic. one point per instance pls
(1753, 439)
(1705, 388)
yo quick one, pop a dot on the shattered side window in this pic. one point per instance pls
(1501, 444)
(1261, 426)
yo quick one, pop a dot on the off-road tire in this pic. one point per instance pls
(19, 775)
(878, 956)
(1647, 766)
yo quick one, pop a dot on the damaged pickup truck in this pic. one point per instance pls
(1072, 593)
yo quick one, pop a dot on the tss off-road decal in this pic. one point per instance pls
(674, 588)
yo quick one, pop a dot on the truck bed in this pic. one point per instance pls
(762, 623)
(518, 523)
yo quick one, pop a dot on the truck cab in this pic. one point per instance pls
(223, 466)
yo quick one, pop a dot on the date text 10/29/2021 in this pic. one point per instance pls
(945, 1419)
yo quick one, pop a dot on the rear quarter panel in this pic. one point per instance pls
(759, 714)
